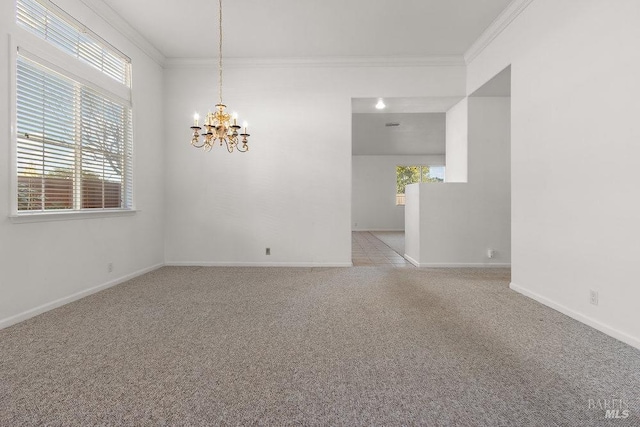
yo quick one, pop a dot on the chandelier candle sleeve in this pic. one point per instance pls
(218, 126)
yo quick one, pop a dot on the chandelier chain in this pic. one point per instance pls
(220, 47)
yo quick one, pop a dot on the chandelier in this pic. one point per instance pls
(220, 125)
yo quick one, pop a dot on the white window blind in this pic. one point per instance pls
(53, 24)
(73, 143)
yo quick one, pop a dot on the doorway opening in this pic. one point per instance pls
(469, 138)
(394, 146)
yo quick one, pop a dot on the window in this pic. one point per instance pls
(61, 30)
(73, 134)
(406, 175)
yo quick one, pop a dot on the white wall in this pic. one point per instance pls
(292, 191)
(458, 222)
(575, 156)
(412, 223)
(374, 190)
(46, 263)
(456, 142)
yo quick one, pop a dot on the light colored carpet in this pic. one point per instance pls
(393, 239)
(277, 346)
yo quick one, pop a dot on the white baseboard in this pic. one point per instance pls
(373, 230)
(411, 260)
(257, 264)
(622, 336)
(455, 264)
(73, 297)
(465, 265)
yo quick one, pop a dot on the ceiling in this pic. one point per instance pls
(417, 134)
(431, 104)
(307, 29)
(421, 130)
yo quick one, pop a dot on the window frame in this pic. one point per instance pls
(32, 47)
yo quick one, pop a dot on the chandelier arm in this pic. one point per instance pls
(229, 147)
(195, 139)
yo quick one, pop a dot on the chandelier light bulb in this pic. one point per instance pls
(380, 105)
(196, 117)
(235, 117)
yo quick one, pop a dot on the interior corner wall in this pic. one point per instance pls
(292, 191)
(460, 222)
(374, 190)
(46, 264)
(456, 142)
(575, 156)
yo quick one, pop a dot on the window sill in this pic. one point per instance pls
(22, 218)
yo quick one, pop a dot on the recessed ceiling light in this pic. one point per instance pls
(380, 105)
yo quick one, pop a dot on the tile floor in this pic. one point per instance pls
(368, 250)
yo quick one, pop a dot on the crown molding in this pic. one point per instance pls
(330, 62)
(508, 15)
(503, 20)
(104, 11)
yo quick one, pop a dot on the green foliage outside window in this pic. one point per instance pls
(406, 175)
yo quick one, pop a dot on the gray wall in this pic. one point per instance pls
(374, 190)
(453, 224)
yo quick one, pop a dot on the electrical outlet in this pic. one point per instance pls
(267, 251)
(491, 253)
(593, 297)
(110, 267)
